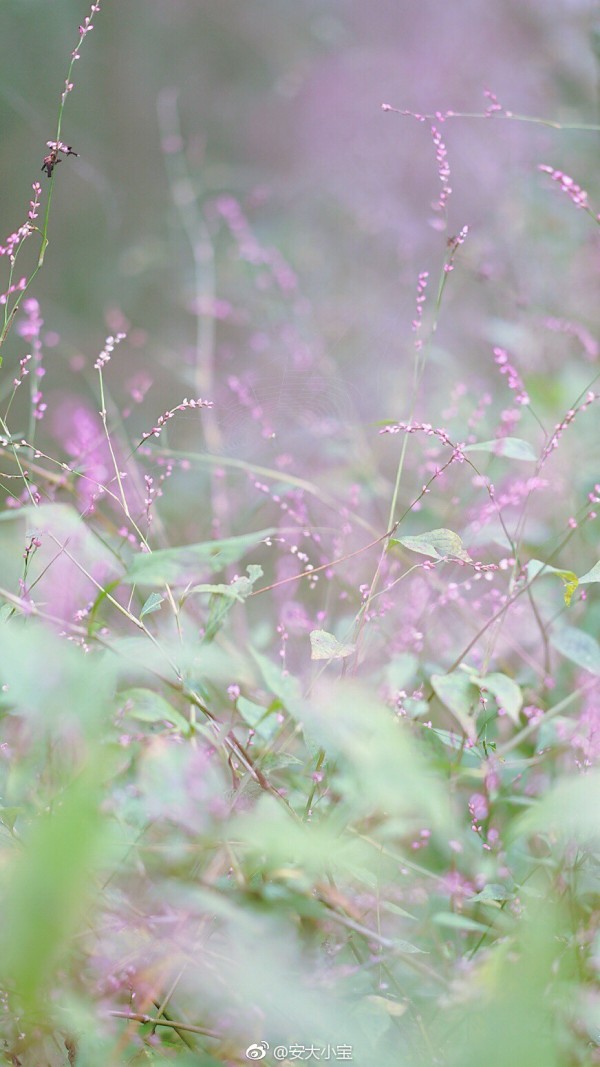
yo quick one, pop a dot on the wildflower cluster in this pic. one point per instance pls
(514, 381)
(14, 241)
(233, 692)
(418, 427)
(494, 107)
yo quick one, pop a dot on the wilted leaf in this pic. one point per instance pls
(570, 579)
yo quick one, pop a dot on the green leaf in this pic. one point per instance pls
(401, 669)
(570, 579)
(493, 893)
(302, 848)
(439, 544)
(571, 808)
(282, 897)
(152, 604)
(9, 816)
(591, 576)
(51, 882)
(75, 688)
(146, 706)
(262, 720)
(395, 909)
(378, 767)
(223, 598)
(394, 1008)
(406, 947)
(460, 694)
(324, 645)
(239, 589)
(508, 694)
(579, 647)
(179, 566)
(451, 921)
(283, 686)
(508, 447)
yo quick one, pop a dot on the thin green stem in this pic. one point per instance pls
(419, 370)
(9, 315)
(141, 1017)
(111, 450)
(61, 110)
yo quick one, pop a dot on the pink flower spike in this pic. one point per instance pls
(109, 347)
(576, 194)
(441, 156)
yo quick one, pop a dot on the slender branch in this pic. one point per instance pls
(591, 127)
(141, 1017)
